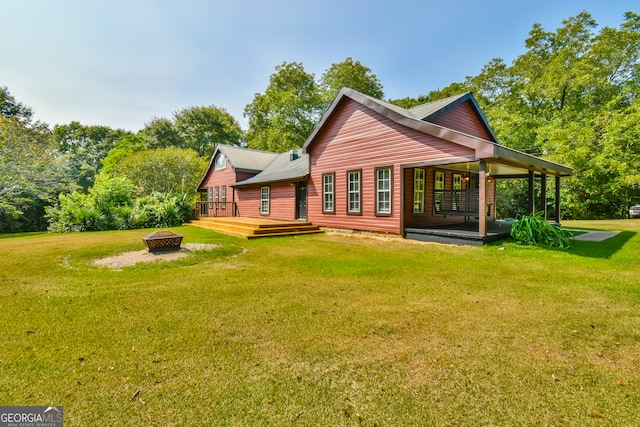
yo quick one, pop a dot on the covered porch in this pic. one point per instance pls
(455, 201)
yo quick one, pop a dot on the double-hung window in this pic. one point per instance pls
(438, 192)
(354, 192)
(383, 191)
(328, 193)
(265, 193)
(418, 190)
(223, 196)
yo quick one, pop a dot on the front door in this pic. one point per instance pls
(301, 200)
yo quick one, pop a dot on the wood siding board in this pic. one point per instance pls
(463, 118)
(281, 202)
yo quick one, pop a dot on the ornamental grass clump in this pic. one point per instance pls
(534, 230)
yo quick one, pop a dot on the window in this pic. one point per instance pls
(418, 190)
(328, 189)
(210, 196)
(221, 162)
(457, 185)
(383, 191)
(354, 193)
(223, 196)
(438, 193)
(216, 194)
(264, 200)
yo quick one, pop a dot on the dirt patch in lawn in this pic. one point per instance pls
(132, 258)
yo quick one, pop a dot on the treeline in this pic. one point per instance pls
(571, 97)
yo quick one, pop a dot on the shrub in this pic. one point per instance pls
(534, 230)
(110, 205)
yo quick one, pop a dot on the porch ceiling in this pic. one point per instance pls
(501, 169)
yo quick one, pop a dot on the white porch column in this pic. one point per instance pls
(482, 201)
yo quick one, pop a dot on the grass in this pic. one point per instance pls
(324, 330)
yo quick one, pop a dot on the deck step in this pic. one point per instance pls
(251, 228)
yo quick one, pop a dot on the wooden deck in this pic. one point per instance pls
(252, 228)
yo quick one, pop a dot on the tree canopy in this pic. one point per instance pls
(351, 74)
(282, 117)
(197, 128)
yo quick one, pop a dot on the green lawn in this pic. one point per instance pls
(323, 330)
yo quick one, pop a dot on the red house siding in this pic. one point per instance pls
(282, 202)
(463, 118)
(359, 138)
(220, 177)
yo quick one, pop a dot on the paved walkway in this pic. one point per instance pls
(594, 235)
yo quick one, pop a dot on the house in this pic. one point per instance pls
(372, 166)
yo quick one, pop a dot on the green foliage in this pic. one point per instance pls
(12, 108)
(203, 128)
(122, 148)
(283, 117)
(534, 230)
(196, 128)
(31, 174)
(164, 170)
(84, 148)
(349, 74)
(111, 205)
(160, 133)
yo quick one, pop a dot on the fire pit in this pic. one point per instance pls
(164, 240)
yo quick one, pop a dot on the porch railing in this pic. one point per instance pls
(457, 202)
(205, 209)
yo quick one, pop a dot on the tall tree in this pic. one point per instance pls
(30, 174)
(160, 133)
(351, 74)
(202, 128)
(283, 117)
(12, 108)
(84, 147)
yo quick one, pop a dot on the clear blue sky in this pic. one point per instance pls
(119, 63)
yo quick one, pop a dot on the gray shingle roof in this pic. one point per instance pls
(281, 169)
(247, 159)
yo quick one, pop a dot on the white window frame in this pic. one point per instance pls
(354, 192)
(384, 186)
(221, 162)
(265, 200)
(329, 193)
(438, 190)
(223, 196)
(419, 179)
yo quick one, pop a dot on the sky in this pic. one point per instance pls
(120, 63)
